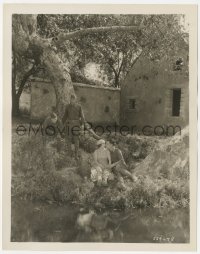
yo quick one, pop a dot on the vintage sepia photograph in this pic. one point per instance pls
(100, 128)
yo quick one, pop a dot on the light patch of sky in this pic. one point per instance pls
(184, 21)
(93, 71)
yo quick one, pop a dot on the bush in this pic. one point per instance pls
(133, 147)
(35, 167)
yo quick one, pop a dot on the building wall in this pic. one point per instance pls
(100, 104)
(150, 84)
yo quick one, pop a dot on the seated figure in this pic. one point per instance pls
(117, 159)
(101, 170)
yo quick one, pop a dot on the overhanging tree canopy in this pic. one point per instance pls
(43, 51)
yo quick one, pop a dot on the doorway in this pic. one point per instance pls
(176, 101)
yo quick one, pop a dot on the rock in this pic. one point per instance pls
(170, 158)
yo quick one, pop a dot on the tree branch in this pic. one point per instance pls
(72, 35)
(111, 66)
(120, 68)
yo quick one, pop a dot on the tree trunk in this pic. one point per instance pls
(116, 84)
(15, 100)
(58, 72)
(15, 105)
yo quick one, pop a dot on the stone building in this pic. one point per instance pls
(156, 93)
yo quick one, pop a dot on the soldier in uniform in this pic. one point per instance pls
(73, 119)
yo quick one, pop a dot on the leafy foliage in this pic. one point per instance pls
(116, 52)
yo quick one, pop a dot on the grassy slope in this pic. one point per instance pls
(161, 166)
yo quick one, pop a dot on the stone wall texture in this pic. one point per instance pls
(150, 84)
(100, 105)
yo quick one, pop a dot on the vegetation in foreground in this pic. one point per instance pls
(47, 173)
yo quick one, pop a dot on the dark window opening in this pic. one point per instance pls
(83, 99)
(179, 64)
(131, 104)
(45, 91)
(107, 109)
(176, 102)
